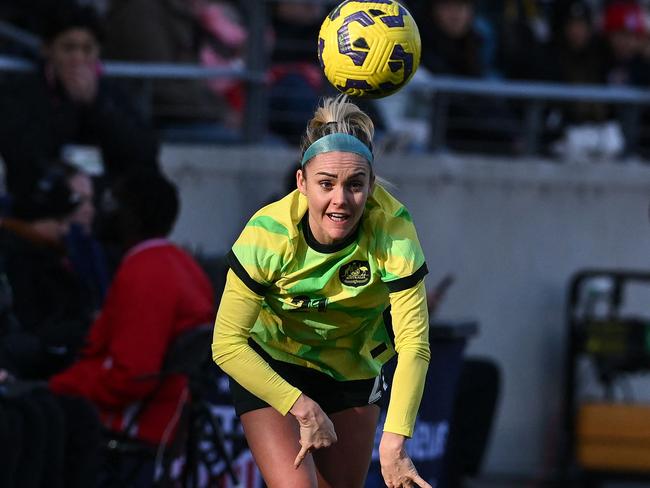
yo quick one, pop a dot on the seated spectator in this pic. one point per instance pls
(68, 101)
(624, 26)
(48, 439)
(575, 56)
(223, 45)
(297, 80)
(158, 292)
(523, 32)
(575, 52)
(54, 440)
(52, 306)
(183, 31)
(86, 254)
(451, 45)
(627, 63)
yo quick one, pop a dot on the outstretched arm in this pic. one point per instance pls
(411, 327)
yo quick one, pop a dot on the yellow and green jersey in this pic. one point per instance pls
(325, 307)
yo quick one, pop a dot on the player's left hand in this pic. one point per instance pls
(396, 465)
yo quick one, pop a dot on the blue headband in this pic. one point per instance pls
(337, 142)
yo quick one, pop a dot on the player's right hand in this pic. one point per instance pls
(396, 465)
(316, 429)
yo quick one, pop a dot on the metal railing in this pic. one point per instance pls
(533, 95)
(19, 36)
(253, 74)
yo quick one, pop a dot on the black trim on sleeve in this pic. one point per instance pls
(240, 271)
(388, 323)
(408, 281)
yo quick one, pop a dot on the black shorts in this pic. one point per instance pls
(332, 395)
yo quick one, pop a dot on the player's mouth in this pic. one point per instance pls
(338, 217)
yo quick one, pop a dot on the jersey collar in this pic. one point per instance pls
(326, 248)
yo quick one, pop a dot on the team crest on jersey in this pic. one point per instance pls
(355, 273)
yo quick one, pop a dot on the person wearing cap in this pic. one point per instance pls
(52, 305)
(325, 286)
(68, 101)
(625, 30)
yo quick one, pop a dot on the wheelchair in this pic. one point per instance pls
(199, 441)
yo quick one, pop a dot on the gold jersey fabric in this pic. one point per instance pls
(327, 307)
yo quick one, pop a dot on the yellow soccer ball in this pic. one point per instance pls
(369, 48)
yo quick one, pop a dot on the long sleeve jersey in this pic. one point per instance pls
(342, 309)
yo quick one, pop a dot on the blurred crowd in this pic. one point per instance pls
(569, 42)
(92, 292)
(603, 42)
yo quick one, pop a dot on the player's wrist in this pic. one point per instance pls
(303, 408)
(392, 443)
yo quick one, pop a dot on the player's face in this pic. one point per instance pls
(337, 185)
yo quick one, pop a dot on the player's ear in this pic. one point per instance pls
(372, 181)
(301, 181)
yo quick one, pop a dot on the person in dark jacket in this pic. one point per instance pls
(68, 101)
(47, 439)
(625, 30)
(451, 46)
(450, 43)
(574, 56)
(52, 306)
(86, 254)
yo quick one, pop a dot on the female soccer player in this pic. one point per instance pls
(324, 286)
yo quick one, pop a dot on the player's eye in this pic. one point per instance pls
(325, 184)
(356, 186)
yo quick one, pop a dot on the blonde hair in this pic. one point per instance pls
(338, 115)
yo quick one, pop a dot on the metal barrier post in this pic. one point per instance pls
(629, 115)
(439, 113)
(147, 96)
(533, 125)
(256, 110)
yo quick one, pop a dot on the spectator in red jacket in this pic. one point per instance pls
(158, 292)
